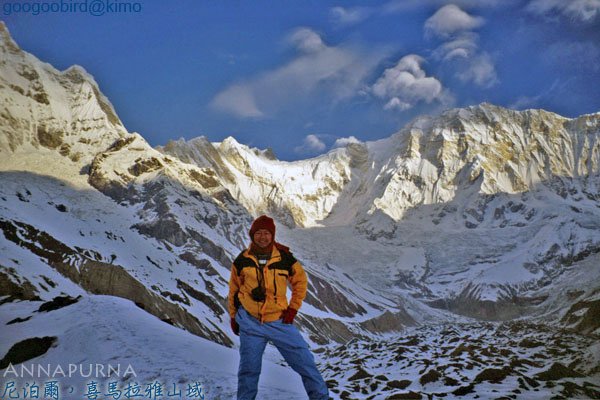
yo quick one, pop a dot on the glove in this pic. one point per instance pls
(235, 327)
(288, 315)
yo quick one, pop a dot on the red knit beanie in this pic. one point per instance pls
(262, 222)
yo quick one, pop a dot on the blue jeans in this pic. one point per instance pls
(286, 337)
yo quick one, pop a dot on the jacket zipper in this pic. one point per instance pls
(275, 284)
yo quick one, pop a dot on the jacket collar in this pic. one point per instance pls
(275, 255)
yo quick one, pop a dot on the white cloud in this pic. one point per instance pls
(464, 46)
(311, 145)
(342, 142)
(582, 10)
(460, 50)
(395, 6)
(337, 71)
(355, 15)
(307, 40)
(450, 20)
(481, 71)
(238, 100)
(406, 84)
(349, 16)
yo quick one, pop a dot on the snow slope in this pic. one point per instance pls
(117, 333)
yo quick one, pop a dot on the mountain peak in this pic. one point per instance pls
(77, 70)
(6, 41)
(64, 110)
(230, 141)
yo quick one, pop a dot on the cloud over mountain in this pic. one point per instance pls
(406, 84)
(337, 72)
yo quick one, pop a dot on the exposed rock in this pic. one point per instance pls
(530, 343)
(409, 395)
(493, 375)
(558, 371)
(206, 178)
(26, 350)
(326, 296)
(464, 390)
(203, 297)
(467, 303)
(49, 138)
(119, 191)
(360, 374)
(586, 322)
(202, 264)
(17, 287)
(18, 319)
(58, 302)
(325, 330)
(403, 384)
(143, 166)
(163, 229)
(213, 250)
(389, 322)
(430, 376)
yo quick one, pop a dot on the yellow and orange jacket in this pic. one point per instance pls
(281, 269)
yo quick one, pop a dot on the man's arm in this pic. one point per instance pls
(299, 282)
(234, 287)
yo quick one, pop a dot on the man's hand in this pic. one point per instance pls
(235, 327)
(288, 315)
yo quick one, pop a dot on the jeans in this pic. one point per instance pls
(286, 337)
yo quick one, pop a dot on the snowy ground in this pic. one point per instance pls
(462, 360)
(472, 361)
(112, 331)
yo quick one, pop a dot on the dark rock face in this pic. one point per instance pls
(325, 330)
(119, 191)
(163, 229)
(16, 288)
(210, 248)
(430, 376)
(18, 319)
(58, 302)
(48, 137)
(468, 304)
(209, 300)
(142, 166)
(26, 350)
(389, 322)
(558, 371)
(587, 322)
(493, 375)
(203, 265)
(328, 297)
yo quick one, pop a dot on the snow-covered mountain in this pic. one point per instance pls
(482, 212)
(482, 206)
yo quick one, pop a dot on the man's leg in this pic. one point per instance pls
(252, 347)
(296, 353)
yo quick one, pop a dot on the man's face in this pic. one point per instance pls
(263, 238)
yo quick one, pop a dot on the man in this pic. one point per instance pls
(260, 312)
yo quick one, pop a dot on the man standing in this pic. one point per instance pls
(260, 312)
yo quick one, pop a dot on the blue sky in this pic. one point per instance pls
(304, 76)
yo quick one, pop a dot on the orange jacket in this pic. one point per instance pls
(281, 269)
